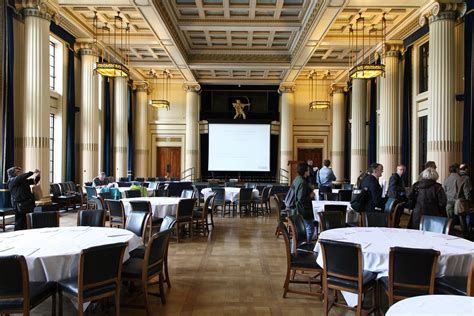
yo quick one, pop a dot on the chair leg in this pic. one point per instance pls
(145, 296)
(60, 303)
(326, 301)
(165, 267)
(162, 291)
(177, 232)
(117, 301)
(80, 307)
(53, 307)
(287, 283)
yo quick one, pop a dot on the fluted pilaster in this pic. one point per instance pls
(36, 92)
(192, 127)
(338, 115)
(442, 143)
(120, 132)
(286, 124)
(358, 129)
(390, 112)
(89, 114)
(459, 89)
(141, 131)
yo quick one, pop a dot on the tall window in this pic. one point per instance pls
(423, 68)
(51, 147)
(422, 141)
(52, 65)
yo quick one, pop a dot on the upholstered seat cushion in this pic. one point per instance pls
(456, 285)
(69, 286)
(39, 291)
(132, 269)
(402, 292)
(305, 259)
(367, 277)
(138, 252)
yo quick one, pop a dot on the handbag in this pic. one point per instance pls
(359, 201)
(461, 204)
(37, 192)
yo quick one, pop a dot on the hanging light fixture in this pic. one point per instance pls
(370, 65)
(316, 103)
(161, 102)
(117, 68)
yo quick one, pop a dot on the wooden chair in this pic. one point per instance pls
(436, 224)
(345, 195)
(17, 293)
(184, 216)
(133, 194)
(375, 219)
(343, 271)
(275, 206)
(200, 216)
(331, 220)
(244, 202)
(219, 199)
(94, 218)
(411, 272)
(42, 220)
(145, 206)
(151, 266)
(456, 285)
(299, 261)
(168, 224)
(263, 203)
(116, 213)
(298, 231)
(98, 276)
(137, 223)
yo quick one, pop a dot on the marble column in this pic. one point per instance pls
(89, 114)
(358, 128)
(441, 84)
(338, 126)
(141, 131)
(36, 91)
(120, 126)
(192, 129)
(390, 112)
(286, 126)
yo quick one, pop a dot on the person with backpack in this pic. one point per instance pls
(304, 195)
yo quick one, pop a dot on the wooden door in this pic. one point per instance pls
(314, 154)
(168, 162)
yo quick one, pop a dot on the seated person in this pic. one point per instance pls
(100, 180)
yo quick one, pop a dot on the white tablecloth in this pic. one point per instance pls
(455, 253)
(318, 206)
(316, 193)
(53, 254)
(433, 305)
(161, 206)
(231, 194)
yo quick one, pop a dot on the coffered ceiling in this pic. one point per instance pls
(240, 41)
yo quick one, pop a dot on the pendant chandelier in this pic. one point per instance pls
(162, 92)
(316, 103)
(368, 65)
(119, 43)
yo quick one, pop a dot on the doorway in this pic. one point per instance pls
(168, 162)
(314, 154)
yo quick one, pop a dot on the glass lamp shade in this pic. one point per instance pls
(160, 104)
(319, 105)
(366, 71)
(111, 70)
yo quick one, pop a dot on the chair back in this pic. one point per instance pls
(331, 220)
(141, 206)
(347, 186)
(266, 193)
(298, 229)
(286, 237)
(219, 198)
(245, 196)
(168, 223)
(123, 179)
(335, 208)
(341, 259)
(151, 179)
(375, 219)
(136, 223)
(412, 269)
(116, 209)
(97, 200)
(161, 193)
(345, 195)
(187, 194)
(185, 209)
(133, 194)
(331, 196)
(139, 179)
(93, 218)
(106, 195)
(155, 252)
(42, 220)
(91, 191)
(100, 265)
(435, 224)
(14, 278)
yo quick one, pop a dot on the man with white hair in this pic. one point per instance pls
(100, 180)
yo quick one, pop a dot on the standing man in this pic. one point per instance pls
(310, 178)
(375, 202)
(396, 184)
(23, 200)
(324, 178)
(304, 195)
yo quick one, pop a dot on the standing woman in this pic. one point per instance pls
(428, 198)
(23, 200)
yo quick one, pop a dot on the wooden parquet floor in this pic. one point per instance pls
(239, 269)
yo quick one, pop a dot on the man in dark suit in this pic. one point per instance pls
(396, 184)
(23, 200)
(375, 202)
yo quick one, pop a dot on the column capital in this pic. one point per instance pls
(192, 87)
(45, 9)
(141, 86)
(443, 10)
(85, 47)
(338, 88)
(286, 87)
(393, 48)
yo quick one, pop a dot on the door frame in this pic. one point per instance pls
(165, 141)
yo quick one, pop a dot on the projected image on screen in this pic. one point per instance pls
(239, 147)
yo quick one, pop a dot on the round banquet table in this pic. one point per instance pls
(433, 305)
(160, 206)
(455, 253)
(53, 254)
(231, 193)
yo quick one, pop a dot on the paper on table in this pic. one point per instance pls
(117, 235)
(6, 248)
